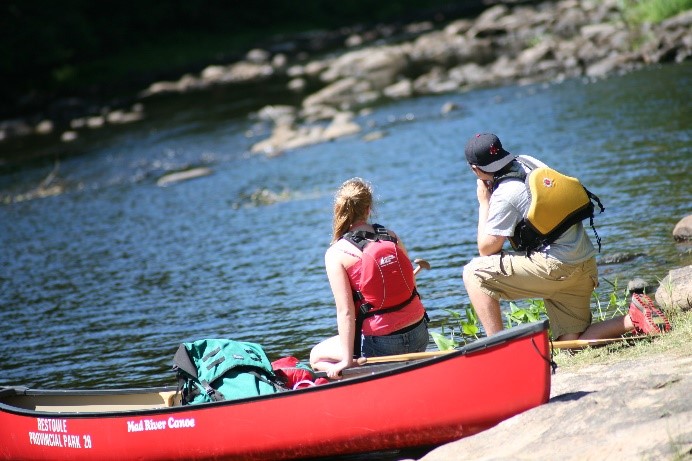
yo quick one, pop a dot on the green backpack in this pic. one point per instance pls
(211, 370)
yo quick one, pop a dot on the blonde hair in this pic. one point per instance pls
(352, 203)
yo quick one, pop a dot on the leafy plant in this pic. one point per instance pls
(532, 313)
(460, 327)
(466, 324)
(442, 342)
(617, 303)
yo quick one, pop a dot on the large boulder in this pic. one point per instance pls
(342, 93)
(683, 229)
(381, 66)
(676, 289)
(445, 49)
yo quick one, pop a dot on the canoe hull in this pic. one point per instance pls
(422, 404)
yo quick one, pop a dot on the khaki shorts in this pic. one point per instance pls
(565, 288)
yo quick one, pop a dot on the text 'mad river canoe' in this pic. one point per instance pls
(386, 406)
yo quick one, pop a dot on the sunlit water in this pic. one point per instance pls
(99, 285)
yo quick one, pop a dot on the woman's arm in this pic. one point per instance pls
(345, 309)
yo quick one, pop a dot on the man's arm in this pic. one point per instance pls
(490, 244)
(487, 244)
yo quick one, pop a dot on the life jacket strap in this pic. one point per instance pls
(365, 311)
(594, 198)
(362, 238)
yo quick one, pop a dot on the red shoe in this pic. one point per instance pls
(647, 319)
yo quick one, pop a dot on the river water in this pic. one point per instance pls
(100, 284)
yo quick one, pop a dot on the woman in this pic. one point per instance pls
(348, 260)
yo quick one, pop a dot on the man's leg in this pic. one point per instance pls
(488, 310)
(611, 328)
(486, 307)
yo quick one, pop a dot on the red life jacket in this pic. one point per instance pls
(387, 283)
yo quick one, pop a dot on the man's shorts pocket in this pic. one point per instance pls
(485, 268)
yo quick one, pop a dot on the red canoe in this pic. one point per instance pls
(375, 408)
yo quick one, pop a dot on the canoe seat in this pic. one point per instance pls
(99, 403)
(171, 398)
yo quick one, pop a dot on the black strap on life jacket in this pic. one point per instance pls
(519, 175)
(364, 311)
(594, 198)
(360, 239)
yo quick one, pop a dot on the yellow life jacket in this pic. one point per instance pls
(557, 201)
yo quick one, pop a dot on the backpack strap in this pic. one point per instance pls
(275, 382)
(183, 365)
(214, 394)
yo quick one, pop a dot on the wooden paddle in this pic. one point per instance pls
(580, 343)
(572, 344)
(422, 264)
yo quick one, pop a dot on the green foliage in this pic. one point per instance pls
(442, 342)
(458, 328)
(652, 11)
(531, 313)
(617, 302)
(466, 324)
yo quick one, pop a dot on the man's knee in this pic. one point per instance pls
(469, 276)
(467, 272)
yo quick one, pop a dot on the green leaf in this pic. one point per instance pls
(443, 343)
(470, 330)
(456, 315)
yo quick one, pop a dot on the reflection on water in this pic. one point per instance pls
(100, 283)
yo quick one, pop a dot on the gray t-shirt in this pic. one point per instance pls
(508, 204)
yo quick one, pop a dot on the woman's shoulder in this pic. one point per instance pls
(342, 254)
(340, 247)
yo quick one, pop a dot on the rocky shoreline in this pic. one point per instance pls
(633, 408)
(517, 43)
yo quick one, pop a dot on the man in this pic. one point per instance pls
(563, 274)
